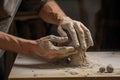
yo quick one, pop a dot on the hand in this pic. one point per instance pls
(47, 50)
(80, 35)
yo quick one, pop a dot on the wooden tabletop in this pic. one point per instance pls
(27, 68)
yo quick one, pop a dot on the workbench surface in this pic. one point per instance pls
(27, 68)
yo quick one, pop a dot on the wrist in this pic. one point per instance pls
(27, 46)
(64, 20)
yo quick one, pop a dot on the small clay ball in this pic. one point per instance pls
(102, 69)
(110, 68)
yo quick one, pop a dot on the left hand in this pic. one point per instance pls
(47, 50)
(81, 36)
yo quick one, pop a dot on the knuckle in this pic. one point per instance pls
(51, 36)
(87, 31)
(82, 37)
(81, 32)
(72, 31)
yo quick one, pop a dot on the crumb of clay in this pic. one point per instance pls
(35, 75)
(19, 57)
(110, 68)
(73, 73)
(66, 70)
(102, 69)
(88, 74)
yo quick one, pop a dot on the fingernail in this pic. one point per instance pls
(72, 49)
(66, 38)
(84, 46)
(77, 45)
(92, 44)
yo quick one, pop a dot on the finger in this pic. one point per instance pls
(64, 49)
(81, 34)
(73, 34)
(61, 50)
(68, 54)
(57, 39)
(61, 32)
(87, 36)
(46, 44)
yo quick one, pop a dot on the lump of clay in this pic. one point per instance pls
(79, 59)
(110, 68)
(102, 69)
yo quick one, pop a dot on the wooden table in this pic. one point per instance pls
(26, 68)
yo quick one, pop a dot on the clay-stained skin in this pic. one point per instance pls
(79, 34)
(50, 51)
(79, 37)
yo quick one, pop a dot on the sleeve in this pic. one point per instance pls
(3, 10)
(8, 9)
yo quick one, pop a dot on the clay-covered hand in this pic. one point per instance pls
(80, 35)
(49, 51)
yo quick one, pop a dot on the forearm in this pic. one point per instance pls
(12, 43)
(51, 13)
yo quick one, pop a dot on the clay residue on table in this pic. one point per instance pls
(43, 69)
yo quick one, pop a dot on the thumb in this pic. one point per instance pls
(61, 32)
(57, 39)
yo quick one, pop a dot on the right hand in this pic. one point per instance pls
(47, 50)
(80, 35)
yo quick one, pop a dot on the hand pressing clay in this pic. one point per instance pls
(77, 59)
(48, 51)
(84, 39)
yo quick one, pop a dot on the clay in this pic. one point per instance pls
(109, 68)
(102, 69)
(79, 59)
(73, 73)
